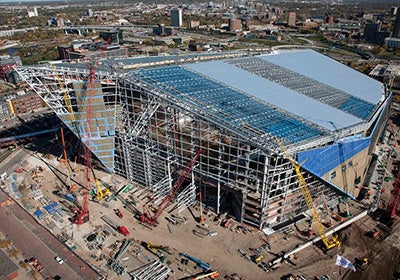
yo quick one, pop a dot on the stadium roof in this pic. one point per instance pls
(292, 95)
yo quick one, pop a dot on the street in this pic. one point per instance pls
(32, 240)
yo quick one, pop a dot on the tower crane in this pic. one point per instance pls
(152, 220)
(329, 243)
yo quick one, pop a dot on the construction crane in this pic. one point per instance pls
(152, 220)
(69, 183)
(310, 203)
(394, 200)
(82, 213)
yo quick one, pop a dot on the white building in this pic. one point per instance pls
(32, 12)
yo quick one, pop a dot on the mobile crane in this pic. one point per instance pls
(334, 242)
(82, 213)
(146, 217)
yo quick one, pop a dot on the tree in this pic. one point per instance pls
(5, 243)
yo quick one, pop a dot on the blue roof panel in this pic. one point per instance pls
(228, 103)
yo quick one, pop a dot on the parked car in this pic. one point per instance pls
(59, 260)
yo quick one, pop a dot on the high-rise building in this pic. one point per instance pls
(370, 32)
(292, 19)
(396, 27)
(374, 35)
(176, 17)
(393, 11)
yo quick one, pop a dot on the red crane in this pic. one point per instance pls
(394, 200)
(82, 213)
(152, 220)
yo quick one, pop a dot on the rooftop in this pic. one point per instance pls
(293, 95)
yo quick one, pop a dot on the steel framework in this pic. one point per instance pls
(150, 130)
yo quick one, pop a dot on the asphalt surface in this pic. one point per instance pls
(33, 240)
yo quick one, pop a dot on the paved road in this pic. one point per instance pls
(34, 241)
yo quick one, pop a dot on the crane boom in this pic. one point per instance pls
(151, 220)
(82, 214)
(310, 203)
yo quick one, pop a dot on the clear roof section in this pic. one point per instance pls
(328, 71)
(305, 85)
(277, 95)
(237, 107)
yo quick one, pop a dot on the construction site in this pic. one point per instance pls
(210, 169)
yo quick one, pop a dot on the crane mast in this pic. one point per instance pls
(310, 203)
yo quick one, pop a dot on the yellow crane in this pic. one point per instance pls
(329, 243)
(65, 94)
(71, 113)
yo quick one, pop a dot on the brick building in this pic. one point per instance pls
(25, 103)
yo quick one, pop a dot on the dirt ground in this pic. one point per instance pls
(221, 250)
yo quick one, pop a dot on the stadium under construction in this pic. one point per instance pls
(147, 121)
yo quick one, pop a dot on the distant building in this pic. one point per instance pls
(292, 19)
(374, 35)
(387, 73)
(159, 30)
(32, 12)
(370, 32)
(235, 24)
(396, 27)
(60, 22)
(329, 19)
(193, 24)
(393, 11)
(176, 17)
(90, 12)
(115, 36)
(162, 30)
(6, 64)
(392, 42)
(271, 37)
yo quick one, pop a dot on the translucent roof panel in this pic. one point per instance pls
(277, 95)
(225, 102)
(305, 85)
(330, 72)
